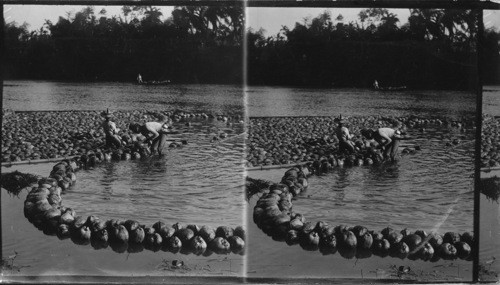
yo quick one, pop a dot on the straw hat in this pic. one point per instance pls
(106, 114)
(339, 119)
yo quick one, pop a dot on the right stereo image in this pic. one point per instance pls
(361, 148)
(489, 213)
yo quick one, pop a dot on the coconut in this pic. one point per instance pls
(185, 235)
(412, 240)
(119, 234)
(220, 245)
(173, 244)
(348, 240)
(365, 241)
(328, 244)
(198, 245)
(423, 234)
(63, 231)
(83, 233)
(394, 237)
(359, 231)
(78, 222)
(292, 237)
(148, 230)
(309, 241)
(224, 232)
(194, 228)
(400, 250)
(236, 243)
(296, 224)
(463, 249)
(427, 252)
(166, 232)
(177, 226)
(436, 240)
(451, 237)
(136, 235)
(153, 241)
(381, 247)
(131, 225)
(467, 237)
(447, 251)
(239, 232)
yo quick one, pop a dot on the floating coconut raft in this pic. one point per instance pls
(490, 143)
(490, 187)
(293, 140)
(43, 207)
(273, 214)
(39, 136)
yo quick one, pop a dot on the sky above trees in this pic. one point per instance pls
(269, 19)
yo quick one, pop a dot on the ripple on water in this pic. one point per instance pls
(199, 183)
(416, 192)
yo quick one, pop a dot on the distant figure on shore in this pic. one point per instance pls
(155, 132)
(342, 133)
(387, 139)
(112, 137)
(139, 79)
(375, 84)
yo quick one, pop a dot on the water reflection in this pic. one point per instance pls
(109, 177)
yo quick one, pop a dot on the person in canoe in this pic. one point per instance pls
(344, 137)
(386, 139)
(110, 130)
(154, 132)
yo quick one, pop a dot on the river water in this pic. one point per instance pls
(201, 182)
(198, 183)
(281, 101)
(429, 190)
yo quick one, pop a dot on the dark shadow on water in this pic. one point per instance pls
(385, 170)
(109, 177)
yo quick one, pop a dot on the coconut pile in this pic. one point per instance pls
(490, 141)
(54, 134)
(290, 140)
(43, 207)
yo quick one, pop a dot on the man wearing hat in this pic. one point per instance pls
(112, 138)
(345, 143)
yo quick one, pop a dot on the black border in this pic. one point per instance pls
(478, 6)
(479, 118)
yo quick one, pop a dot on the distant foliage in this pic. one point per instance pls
(436, 49)
(194, 44)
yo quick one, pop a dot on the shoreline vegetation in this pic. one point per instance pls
(205, 45)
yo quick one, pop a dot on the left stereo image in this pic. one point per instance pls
(123, 141)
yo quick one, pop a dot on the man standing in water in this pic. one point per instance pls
(342, 133)
(387, 139)
(112, 138)
(155, 132)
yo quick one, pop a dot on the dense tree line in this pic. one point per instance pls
(194, 44)
(435, 49)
